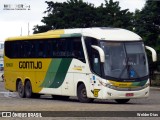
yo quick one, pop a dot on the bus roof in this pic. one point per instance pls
(100, 33)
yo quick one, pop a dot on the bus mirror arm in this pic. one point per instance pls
(154, 54)
(101, 52)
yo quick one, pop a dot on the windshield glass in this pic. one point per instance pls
(125, 60)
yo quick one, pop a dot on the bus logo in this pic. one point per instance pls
(30, 65)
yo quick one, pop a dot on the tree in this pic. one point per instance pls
(147, 25)
(79, 14)
(70, 14)
(111, 14)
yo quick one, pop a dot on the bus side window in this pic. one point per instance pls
(41, 46)
(49, 49)
(17, 49)
(77, 49)
(20, 46)
(8, 49)
(27, 49)
(62, 47)
(54, 51)
(33, 49)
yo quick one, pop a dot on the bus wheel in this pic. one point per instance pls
(122, 101)
(20, 89)
(28, 89)
(82, 94)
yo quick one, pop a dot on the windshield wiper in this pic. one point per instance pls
(125, 67)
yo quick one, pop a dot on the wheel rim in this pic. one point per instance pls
(83, 93)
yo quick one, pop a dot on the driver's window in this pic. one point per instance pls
(93, 55)
(96, 62)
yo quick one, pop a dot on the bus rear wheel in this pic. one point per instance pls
(122, 101)
(28, 89)
(82, 94)
(20, 89)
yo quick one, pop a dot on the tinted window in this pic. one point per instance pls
(46, 48)
(93, 55)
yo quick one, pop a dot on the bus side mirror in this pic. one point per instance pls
(154, 54)
(100, 51)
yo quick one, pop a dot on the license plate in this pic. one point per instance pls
(129, 94)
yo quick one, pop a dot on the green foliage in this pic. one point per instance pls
(147, 25)
(147, 22)
(79, 14)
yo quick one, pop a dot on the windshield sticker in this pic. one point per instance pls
(132, 73)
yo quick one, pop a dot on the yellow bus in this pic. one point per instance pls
(90, 63)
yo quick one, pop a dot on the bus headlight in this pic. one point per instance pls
(105, 84)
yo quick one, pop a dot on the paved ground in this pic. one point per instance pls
(11, 102)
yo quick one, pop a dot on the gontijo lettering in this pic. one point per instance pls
(30, 65)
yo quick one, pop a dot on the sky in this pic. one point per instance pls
(14, 22)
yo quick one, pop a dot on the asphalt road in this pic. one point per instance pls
(11, 102)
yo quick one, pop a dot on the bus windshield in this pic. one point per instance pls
(125, 60)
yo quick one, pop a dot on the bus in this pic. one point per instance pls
(89, 63)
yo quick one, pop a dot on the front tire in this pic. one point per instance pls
(20, 89)
(82, 94)
(28, 89)
(122, 101)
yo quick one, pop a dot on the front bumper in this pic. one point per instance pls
(108, 93)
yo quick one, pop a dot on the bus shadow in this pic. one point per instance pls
(75, 100)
